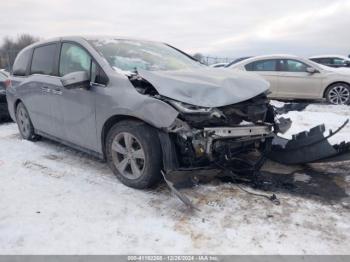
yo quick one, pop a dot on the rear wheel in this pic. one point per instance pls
(134, 154)
(24, 123)
(338, 94)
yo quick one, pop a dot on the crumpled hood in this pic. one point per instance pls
(207, 87)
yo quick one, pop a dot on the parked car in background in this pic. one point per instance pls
(218, 65)
(293, 77)
(4, 82)
(5, 72)
(332, 60)
(143, 106)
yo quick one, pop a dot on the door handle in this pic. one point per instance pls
(57, 91)
(45, 89)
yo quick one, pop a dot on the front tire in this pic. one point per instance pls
(338, 94)
(134, 154)
(24, 123)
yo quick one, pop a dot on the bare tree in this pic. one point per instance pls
(10, 48)
(199, 57)
(25, 40)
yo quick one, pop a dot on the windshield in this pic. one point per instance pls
(131, 55)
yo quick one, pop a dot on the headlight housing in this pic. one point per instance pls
(190, 109)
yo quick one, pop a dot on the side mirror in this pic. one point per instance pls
(311, 70)
(78, 79)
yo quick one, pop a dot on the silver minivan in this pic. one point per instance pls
(145, 107)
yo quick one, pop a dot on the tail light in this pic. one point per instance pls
(7, 83)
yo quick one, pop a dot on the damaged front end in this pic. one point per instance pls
(233, 135)
(204, 137)
(204, 141)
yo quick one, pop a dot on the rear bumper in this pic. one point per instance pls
(10, 98)
(3, 107)
(2, 96)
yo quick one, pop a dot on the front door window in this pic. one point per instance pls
(73, 59)
(291, 65)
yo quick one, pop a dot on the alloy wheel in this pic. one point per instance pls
(23, 121)
(128, 155)
(339, 95)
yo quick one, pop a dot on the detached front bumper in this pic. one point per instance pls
(310, 146)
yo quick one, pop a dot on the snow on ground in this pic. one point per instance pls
(55, 200)
(332, 116)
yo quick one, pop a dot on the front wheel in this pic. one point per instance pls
(134, 154)
(338, 94)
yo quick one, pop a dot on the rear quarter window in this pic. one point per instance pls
(43, 60)
(325, 60)
(21, 63)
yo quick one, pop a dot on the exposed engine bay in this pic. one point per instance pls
(204, 136)
(221, 135)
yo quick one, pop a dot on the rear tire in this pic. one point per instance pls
(134, 154)
(338, 94)
(24, 123)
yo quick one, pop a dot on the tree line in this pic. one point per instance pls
(10, 47)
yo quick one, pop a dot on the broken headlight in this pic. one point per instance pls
(192, 109)
(189, 109)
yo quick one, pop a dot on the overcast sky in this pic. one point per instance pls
(217, 27)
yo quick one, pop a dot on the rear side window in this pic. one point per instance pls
(263, 65)
(43, 60)
(326, 61)
(21, 63)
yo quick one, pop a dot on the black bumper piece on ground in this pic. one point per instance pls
(309, 146)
